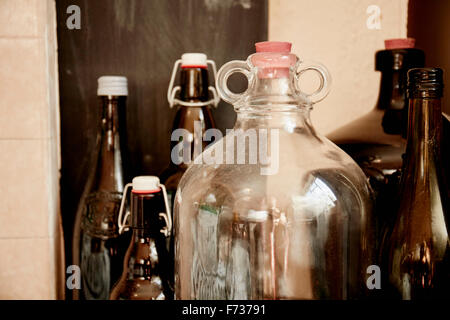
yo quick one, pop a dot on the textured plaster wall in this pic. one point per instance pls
(336, 34)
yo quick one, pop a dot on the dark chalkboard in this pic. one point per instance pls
(140, 39)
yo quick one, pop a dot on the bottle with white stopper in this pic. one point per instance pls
(145, 273)
(97, 247)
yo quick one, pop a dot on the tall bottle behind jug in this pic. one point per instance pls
(192, 120)
(376, 141)
(193, 117)
(417, 251)
(97, 247)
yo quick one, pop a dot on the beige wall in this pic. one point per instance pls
(335, 34)
(30, 236)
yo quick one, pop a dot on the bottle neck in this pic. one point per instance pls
(194, 88)
(148, 243)
(193, 120)
(112, 119)
(424, 138)
(194, 84)
(145, 209)
(392, 95)
(392, 99)
(273, 103)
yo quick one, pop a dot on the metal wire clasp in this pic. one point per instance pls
(172, 91)
(123, 221)
(123, 226)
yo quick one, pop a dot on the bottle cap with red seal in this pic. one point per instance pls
(194, 60)
(146, 184)
(399, 54)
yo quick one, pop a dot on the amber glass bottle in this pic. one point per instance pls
(417, 251)
(376, 141)
(97, 247)
(193, 90)
(192, 119)
(145, 267)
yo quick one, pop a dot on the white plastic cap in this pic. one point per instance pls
(112, 86)
(145, 183)
(193, 60)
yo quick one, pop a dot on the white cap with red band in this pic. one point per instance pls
(194, 60)
(145, 183)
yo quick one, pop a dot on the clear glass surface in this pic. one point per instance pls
(302, 230)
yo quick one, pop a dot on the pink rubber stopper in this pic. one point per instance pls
(273, 58)
(273, 46)
(402, 43)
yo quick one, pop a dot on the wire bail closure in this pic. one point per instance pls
(172, 91)
(123, 222)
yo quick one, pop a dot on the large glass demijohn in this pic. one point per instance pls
(273, 210)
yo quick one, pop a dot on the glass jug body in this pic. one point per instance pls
(273, 210)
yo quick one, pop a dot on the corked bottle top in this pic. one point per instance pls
(273, 46)
(425, 83)
(273, 59)
(401, 43)
(399, 54)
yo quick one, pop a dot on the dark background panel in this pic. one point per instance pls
(429, 24)
(140, 39)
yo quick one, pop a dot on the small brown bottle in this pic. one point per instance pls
(417, 251)
(145, 267)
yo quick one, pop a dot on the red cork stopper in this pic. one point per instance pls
(273, 58)
(402, 43)
(273, 46)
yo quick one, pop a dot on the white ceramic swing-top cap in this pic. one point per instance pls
(194, 60)
(145, 183)
(112, 86)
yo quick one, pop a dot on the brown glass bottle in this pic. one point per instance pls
(145, 267)
(97, 247)
(194, 121)
(194, 88)
(376, 141)
(417, 251)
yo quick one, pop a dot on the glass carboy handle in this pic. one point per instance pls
(324, 78)
(224, 73)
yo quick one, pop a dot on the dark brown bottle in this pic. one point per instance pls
(376, 141)
(193, 118)
(194, 90)
(97, 247)
(417, 251)
(145, 267)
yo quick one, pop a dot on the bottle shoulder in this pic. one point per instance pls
(304, 173)
(366, 142)
(366, 130)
